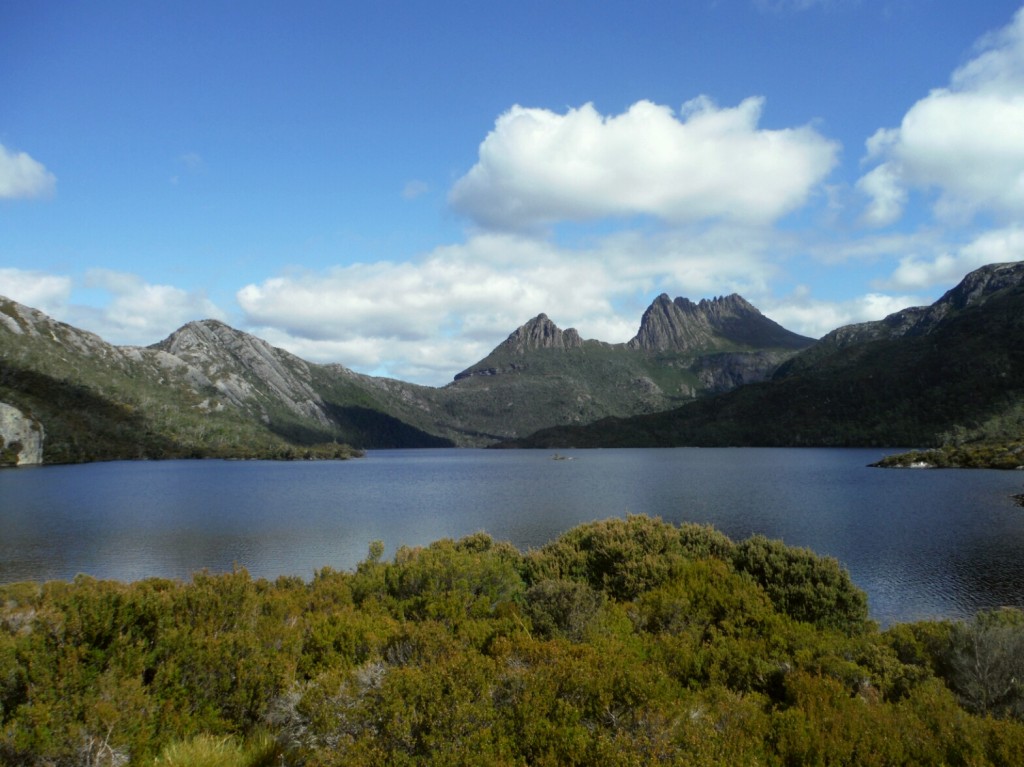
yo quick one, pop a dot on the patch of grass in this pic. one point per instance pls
(219, 751)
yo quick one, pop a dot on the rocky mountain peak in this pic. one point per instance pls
(982, 283)
(723, 322)
(538, 333)
(201, 336)
(541, 333)
(733, 305)
(677, 325)
(239, 365)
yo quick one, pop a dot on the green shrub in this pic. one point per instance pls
(559, 608)
(803, 585)
(623, 642)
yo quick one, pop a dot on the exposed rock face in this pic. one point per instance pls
(21, 436)
(724, 372)
(538, 333)
(680, 325)
(672, 325)
(541, 333)
(237, 364)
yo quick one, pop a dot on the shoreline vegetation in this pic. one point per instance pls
(622, 642)
(981, 455)
(331, 451)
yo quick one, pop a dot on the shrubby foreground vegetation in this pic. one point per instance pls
(624, 642)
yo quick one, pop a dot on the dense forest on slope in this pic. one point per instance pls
(624, 642)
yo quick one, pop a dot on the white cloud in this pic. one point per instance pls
(424, 320)
(888, 197)
(538, 167)
(46, 292)
(21, 176)
(948, 268)
(428, 320)
(965, 141)
(130, 310)
(138, 312)
(803, 314)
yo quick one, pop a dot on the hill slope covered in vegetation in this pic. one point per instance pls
(951, 372)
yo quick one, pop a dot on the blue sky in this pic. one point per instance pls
(397, 186)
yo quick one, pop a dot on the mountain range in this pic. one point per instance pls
(715, 372)
(948, 373)
(211, 390)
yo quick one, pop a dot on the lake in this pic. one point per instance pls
(921, 543)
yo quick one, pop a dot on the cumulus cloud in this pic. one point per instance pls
(138, 312)
(46, 292)
(948, 268)
(429, 319)
(422, 320)
(965, 141)
(22, 177)
(888, 195)
(538, 167)
(804, 314)
(129, 310)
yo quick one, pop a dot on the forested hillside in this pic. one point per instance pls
(929, 376)
(623, 642)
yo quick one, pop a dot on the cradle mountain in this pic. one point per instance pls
(947, 374)
(211, 390)
(714, 372)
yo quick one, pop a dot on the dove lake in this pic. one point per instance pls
(921, 543)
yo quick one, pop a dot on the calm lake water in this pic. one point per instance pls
(922, 543)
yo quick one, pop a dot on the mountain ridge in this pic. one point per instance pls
(681, 325)
(923, 376)
(208, 387)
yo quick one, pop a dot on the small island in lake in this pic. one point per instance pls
(986, 455)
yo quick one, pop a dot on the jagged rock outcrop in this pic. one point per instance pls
(681, 325)
(541, 333)
(21, 438)
(677, 325)
(538, 333)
